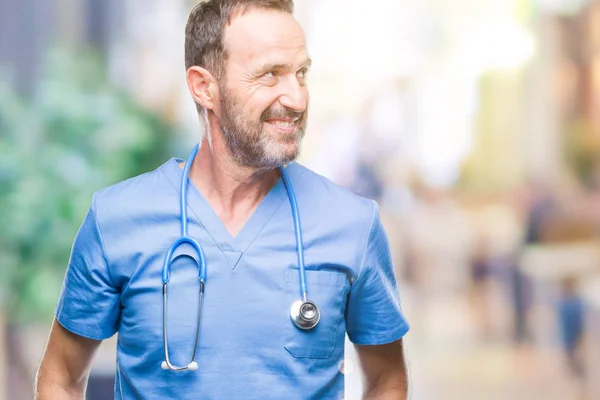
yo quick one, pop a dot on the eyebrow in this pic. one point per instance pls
(284, 67)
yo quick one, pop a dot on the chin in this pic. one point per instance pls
(280, 152)
(290, 152)
(282, 157)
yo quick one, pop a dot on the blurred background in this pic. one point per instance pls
(475, 125)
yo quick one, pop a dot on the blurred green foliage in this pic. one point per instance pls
(75, 135)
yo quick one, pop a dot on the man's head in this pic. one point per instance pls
(247, 63)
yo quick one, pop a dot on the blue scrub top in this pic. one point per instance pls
(248, 346)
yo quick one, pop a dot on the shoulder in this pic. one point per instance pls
(136, 193)
(331, 202)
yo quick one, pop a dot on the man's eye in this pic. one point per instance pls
(302, 73)
(269, 75)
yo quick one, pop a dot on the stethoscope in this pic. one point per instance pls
(304, 313)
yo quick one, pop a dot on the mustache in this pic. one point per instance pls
(281, 113)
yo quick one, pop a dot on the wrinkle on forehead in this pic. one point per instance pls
(262, 33)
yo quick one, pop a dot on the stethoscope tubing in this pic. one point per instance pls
(183, 221)
(298, 233)
(184, 238)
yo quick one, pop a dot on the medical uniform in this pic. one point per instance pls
(248, 347)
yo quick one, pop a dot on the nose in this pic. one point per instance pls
(294, 95)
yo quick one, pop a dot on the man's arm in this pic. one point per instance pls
(384, 371)
(65, 366)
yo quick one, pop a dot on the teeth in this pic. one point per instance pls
(283, 124)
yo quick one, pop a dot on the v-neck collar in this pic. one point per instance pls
(232, 247)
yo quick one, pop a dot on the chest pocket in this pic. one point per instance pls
(328, 289)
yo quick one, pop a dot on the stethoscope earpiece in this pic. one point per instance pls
(305, 314)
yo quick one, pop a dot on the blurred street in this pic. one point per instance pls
(452, 361)
(449, 359)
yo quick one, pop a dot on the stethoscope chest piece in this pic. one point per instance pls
(305, 314)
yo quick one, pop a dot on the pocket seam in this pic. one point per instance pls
(337, 282)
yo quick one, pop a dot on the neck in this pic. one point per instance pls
(232, 190)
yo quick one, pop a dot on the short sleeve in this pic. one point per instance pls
(374, 315)
(89, 303)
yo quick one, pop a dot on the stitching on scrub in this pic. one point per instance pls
(104, 255)
(119, 378)
(338, 285)
(265, 225)
(205, 229)
(364, 256)
(177, 191)
(335, 278)
(276, 209)
(86, 269)
(390, 336)
(87, 300)
(97, 223)
(128, 382)
(302, 170)
(79, 329)
(167, 177)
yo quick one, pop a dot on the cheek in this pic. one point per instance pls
(258, 104)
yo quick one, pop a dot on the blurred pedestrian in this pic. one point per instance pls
(570, 310)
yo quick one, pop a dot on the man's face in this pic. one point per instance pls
(263, 98)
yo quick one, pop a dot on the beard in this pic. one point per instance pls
(250, 145)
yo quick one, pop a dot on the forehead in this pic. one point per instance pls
(264, 36)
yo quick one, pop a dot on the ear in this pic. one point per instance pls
(203, 87)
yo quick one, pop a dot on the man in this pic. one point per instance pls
(247, 67)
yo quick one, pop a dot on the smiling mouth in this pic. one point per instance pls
(286, 126)
(282, 124)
